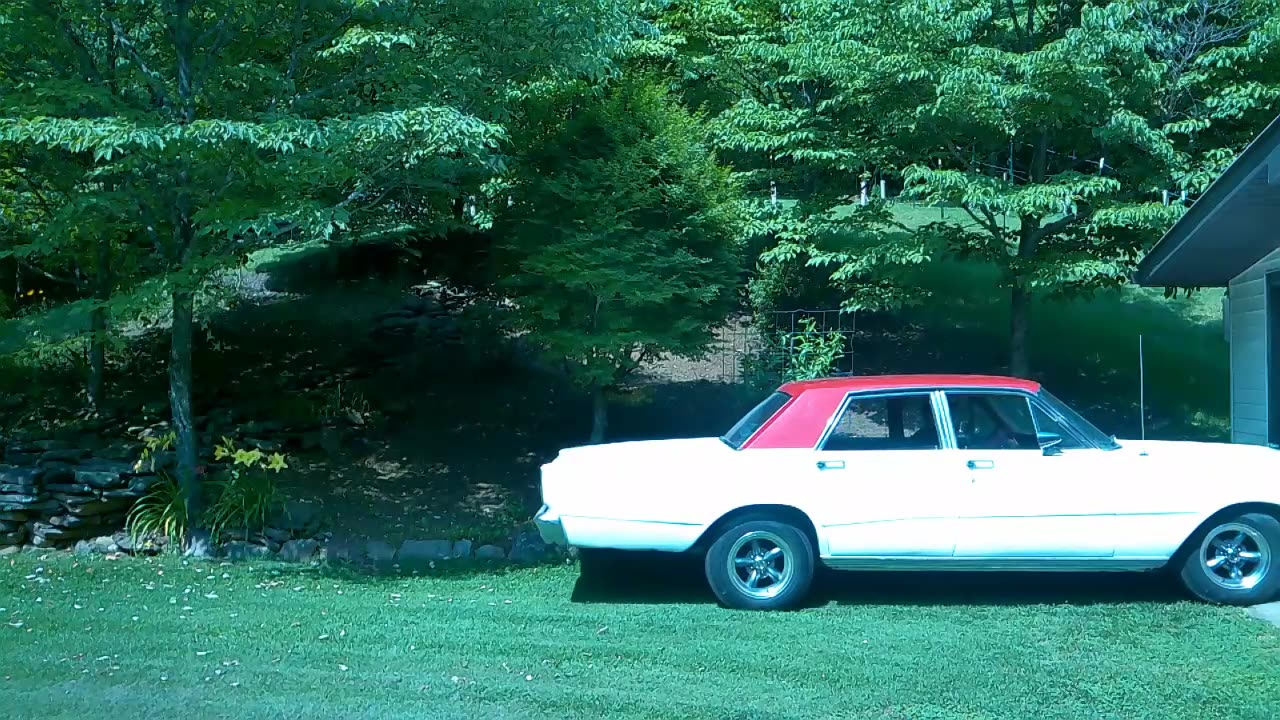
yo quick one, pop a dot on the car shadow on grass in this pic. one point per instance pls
(680, 581)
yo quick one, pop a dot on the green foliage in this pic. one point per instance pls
(162, 512)
(622, 242)
(812, 354)
(247, 496)
(152, 447)
(167, 141)
(1003, 110)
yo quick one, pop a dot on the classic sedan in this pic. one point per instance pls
(936, 472)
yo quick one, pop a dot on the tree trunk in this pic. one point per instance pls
(98, 326)
(97, 357)
(1028, 240)
(180, 379)
(180, 373)
(599, 415)
(1019, 325)
(185, 440)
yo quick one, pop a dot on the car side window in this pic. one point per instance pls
(992, 421)
(1047, 425)
(896, 422)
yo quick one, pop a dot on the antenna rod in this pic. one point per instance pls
(1142, 391)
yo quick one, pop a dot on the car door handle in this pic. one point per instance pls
(981, 464)
(830, 464)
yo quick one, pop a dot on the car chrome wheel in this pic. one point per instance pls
(760, 565)
(1235, 556)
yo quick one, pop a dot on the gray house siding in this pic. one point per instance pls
(1247, 326)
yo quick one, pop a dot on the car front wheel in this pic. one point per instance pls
(1233, 562)
(761, 565)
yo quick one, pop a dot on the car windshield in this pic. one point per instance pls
(1077, 421)
(754, 420)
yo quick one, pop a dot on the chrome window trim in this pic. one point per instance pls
(849, 397)
(1031, 400)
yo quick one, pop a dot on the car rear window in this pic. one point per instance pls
(754, 420)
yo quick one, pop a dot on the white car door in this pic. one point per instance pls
(883, 484)
(1024, 502)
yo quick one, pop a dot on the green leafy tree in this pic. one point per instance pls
(208, 130)
(1055, 126)
(622, 244)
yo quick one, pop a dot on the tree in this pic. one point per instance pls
(1055, 126)
(622, 242)
(1065, 119)
(800, 143)
(212, 129)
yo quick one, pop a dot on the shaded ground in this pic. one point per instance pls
(161, 639)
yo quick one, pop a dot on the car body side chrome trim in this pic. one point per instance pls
(996, 564)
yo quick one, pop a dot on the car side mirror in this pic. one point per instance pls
(1049, 443)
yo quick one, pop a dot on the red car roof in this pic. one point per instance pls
(800, 422)
(896, 382)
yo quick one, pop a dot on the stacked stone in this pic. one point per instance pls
(421, 317)
(52, 494)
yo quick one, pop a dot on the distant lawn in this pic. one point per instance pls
(1085, 349)
(160, 639)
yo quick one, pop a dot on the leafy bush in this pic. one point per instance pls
(812, 354)
(247, 496)
(805, 354)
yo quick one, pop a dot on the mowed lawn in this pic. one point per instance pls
(161, 638)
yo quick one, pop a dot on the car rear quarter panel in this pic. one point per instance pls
(662, 505)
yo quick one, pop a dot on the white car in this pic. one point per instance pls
(936, 472)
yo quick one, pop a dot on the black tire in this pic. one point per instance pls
(785, 582)
(1233, 560)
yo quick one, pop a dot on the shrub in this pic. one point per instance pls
(812, 354)
(161, 512)
(246, 496)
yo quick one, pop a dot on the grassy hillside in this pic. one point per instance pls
(1084, 349)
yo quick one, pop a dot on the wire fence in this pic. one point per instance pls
(760, 347)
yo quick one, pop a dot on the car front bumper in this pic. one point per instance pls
(550, 527)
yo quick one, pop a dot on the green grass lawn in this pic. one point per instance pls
(164, 639)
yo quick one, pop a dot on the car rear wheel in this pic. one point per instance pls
(1233, 561)
(760, 565)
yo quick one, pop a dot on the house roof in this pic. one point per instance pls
(1229, 228)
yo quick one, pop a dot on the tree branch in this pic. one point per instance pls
(159, 94)
(988, 224)
(295, 55)
(1059, 225)
(365, 63)
(1013, 15)
(1031, 24)
(55, 278)
(88, 67)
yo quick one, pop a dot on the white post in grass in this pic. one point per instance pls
(1142, 391)
(1166, 197)
(884, 192)
(862, 198)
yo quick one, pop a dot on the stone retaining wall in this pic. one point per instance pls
(53, 494)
